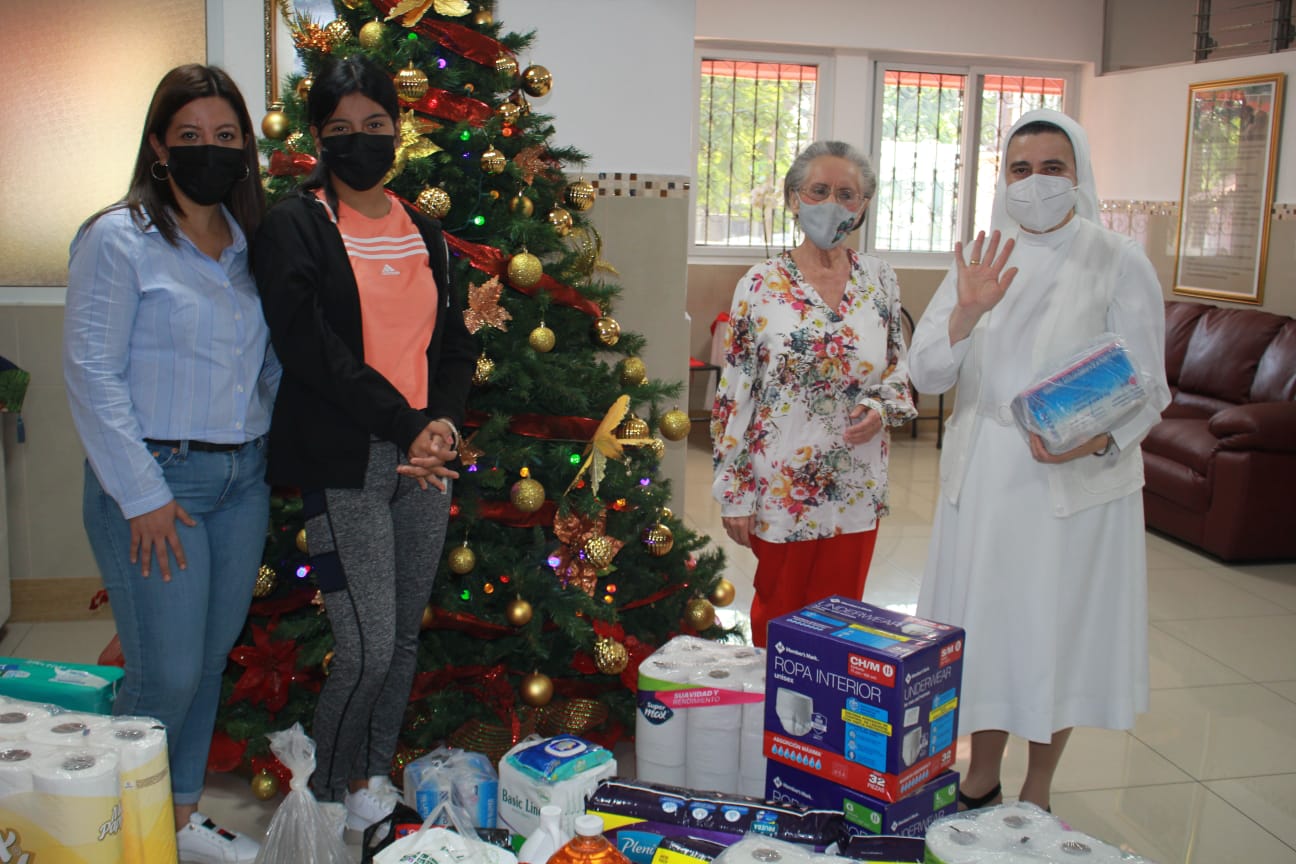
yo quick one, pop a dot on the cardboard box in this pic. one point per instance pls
(865, 816)
(863, 696)
(74, 686)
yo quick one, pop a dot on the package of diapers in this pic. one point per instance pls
(561, 770)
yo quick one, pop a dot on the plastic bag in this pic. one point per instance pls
(467, 778)
(302, 829)
(433, 844)
(1095, 390)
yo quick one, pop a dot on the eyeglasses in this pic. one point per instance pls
(848, 198)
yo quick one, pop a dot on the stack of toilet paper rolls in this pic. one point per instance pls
(1018, 833)
(701, 718)
(84, 788)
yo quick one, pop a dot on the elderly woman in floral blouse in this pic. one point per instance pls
(814, 373)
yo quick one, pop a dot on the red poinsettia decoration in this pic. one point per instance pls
(269, 669)
(225, 754)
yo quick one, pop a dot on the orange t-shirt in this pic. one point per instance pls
(398, 296)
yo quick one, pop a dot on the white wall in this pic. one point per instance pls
(1137, 121)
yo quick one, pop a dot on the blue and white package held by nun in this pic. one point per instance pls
(1093, 391)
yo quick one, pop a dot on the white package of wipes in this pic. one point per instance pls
(522, 792)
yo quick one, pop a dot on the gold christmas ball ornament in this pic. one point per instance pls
(561, 221)
(518, 613)
(265, 582)
(275, 123)
(723, 593)
(508, 113)
(433, 201)
(537, 689)
(658, 538)
(297, 142)
(520, 205)
(610, 656)
(352, 4)
(536, 80)
(542, 339)
(265, 786)
(633, 372)
(483, 18)
(527, 495)
(599, 550)
(484, 370)
(524, 270)
(506, 64)
(524, 107)
(632, 429)
(657, 447)
(607, 331)
(493, 161)
(303, 88)
(674, 425)
(580, 195)
(665, 514)
(326, 665)
(411, 83)
(700, 614)
(371, 35)
(337, 31)
(428, 619)
(302, 546)
(462, 560)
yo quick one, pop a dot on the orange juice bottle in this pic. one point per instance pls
(589, 846)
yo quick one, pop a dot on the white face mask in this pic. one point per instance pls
(827, 223)
(1041, 202)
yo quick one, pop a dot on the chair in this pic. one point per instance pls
(907, 328)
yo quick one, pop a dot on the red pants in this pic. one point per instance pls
(792, 575)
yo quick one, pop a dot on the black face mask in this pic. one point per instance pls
(205, 173)
(359, 160)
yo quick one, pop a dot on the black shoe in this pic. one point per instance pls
(970, 803)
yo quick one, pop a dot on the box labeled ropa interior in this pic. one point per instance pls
(863, 696)
(865, 815)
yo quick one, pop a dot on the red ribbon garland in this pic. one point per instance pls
(427, 683)
(443, 619)
(542, 426)
(289, 163)
(493, 262)
(452, 106)
(464, 41)
(506, 514)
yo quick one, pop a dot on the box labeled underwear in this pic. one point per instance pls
(867, 816)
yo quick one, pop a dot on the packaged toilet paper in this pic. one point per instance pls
(467, 778)
(863, 696)
(638, 816)
(1017, 833)
(148, 823)
(17, 717)
(700, 719)
(522, 794)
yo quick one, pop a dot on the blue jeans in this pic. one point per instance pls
(176, 636)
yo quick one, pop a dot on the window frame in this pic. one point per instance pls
(706, 49)
(975, 72)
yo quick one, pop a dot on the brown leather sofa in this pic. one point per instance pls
(1221, 465)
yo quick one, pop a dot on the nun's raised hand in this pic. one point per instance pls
(982, 282)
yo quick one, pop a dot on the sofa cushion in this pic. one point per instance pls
(1175, 482)
(1275, 379)
(1184, 441)
(1188, 404)
(1180, 321)
(1224, 352)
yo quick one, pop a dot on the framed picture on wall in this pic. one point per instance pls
(281, 58)
(1230, 157)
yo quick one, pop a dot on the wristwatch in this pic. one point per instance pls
(1111, 442)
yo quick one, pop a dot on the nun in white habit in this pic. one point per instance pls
(1040, 557)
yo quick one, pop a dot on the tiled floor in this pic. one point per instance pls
(1207, 776)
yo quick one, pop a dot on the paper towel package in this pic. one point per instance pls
(701, 716)
(638, 816)
(521, 795)
(863, 696)
(865, 815)
(74, 686)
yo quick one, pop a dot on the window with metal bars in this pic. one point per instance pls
(1241, 28)
(754, 117)
(932, 189)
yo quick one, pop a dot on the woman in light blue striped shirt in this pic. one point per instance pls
(171, 382)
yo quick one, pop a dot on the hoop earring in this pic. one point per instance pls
(153, 170)
(247, 172)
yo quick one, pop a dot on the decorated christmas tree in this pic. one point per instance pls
(564, 567)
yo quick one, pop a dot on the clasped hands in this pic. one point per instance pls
(428, 455)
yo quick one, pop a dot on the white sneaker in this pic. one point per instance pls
(372, 804)
(202, 841)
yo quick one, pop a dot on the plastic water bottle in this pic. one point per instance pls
(589, 846)
(547, 839)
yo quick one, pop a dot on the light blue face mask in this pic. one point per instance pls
(827, 223)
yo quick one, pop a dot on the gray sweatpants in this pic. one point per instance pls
(374, 552)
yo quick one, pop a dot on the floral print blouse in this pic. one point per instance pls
(793, 370)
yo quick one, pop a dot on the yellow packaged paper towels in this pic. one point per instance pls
(65, 729)
(72, 812)
(18, 718)
(148, 821)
